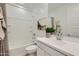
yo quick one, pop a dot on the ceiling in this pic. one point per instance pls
(34, 7)
(53, 6)
(39, 8)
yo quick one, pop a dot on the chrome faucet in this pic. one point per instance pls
(59, 33)
(59, 36)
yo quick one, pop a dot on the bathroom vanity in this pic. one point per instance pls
(53, 47)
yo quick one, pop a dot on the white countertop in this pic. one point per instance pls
(61, 45)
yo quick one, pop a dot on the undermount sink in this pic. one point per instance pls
(54, 40)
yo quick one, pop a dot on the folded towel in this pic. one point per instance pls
(2, 25)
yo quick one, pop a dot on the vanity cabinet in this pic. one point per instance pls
(41, 52)
(44, 50)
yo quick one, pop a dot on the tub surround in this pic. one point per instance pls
(63, 46)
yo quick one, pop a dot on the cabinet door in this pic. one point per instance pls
(40, 52)
(46, 54)
(48, 50)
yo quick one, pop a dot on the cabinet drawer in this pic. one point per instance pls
(49, 50)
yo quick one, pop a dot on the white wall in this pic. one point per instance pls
(39, 14)
(20, 28)
(68, 15)
(22, 24)
(73, 19)
(60, 14)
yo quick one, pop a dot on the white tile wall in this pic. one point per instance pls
(20, 28)
(73, 19)
(60, 15)
(68, 15)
